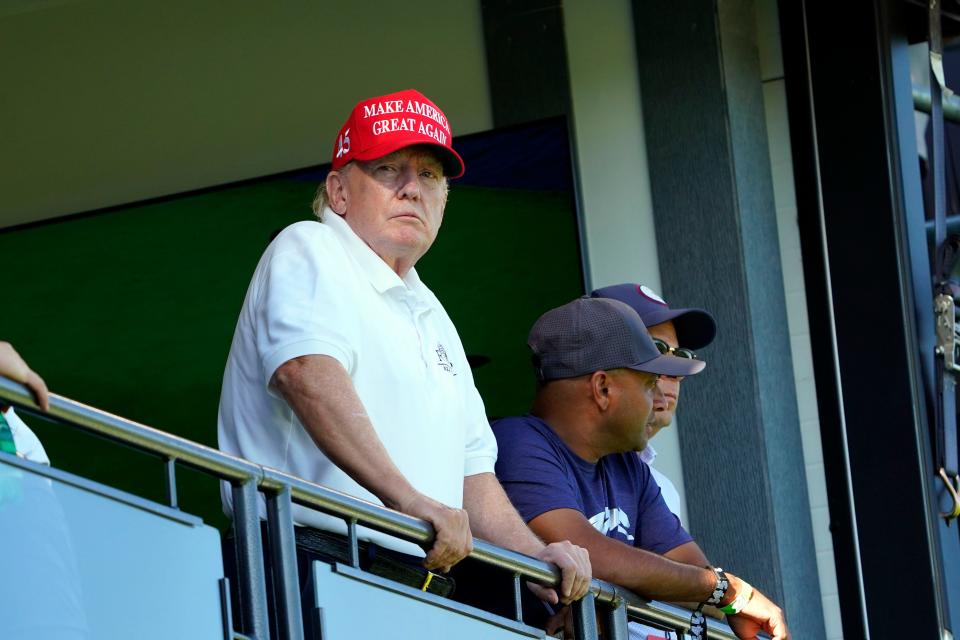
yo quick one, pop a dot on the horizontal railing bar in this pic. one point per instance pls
(677, 618)
(147, 438)
(396, 523)
(951, 105)
(659, 612)
(374, 516)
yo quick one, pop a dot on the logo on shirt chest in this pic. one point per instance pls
(443, 360)
(612, 520)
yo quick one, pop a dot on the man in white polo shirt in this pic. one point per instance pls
(675, 332)
(345, 370)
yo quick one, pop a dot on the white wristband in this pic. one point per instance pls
(740, 602)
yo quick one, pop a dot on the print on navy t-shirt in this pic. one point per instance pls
(617, 494)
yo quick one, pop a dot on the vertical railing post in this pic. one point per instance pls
(250, 574)
(616, 619)
(170, 475)
(353, 542)
(283, 558)
(517, 598)
(585, 617)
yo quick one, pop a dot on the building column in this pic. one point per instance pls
(717, 242)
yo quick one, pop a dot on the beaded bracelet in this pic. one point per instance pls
(698, 623)
(721, 589)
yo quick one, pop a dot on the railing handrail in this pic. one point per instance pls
(234, 469)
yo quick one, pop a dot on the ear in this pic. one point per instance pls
(337, 192)
(600, 383)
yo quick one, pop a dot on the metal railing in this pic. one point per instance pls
(282, 491)
(951, 105)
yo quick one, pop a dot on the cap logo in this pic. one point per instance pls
(649, 293)
(389, 125)
(387, 107)
(343, 143)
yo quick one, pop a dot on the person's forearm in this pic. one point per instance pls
(649, 574)
(493, 518)
(655, 576)
(691, 553)
(321, 394)
(660, 578)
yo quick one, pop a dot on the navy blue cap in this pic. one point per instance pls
(696, 328)
(594, 334)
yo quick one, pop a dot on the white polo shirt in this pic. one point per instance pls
(320, 290)
(669, 492)
(637, 630)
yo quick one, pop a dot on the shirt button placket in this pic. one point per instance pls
(416, 311)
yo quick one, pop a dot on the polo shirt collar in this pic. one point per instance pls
(381, 276)
(649, 454)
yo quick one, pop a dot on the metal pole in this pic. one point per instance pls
(517, 598)
(951, 106)
(585, 618)
(936, 122)
(133, 433)
(170, 471)
(616, 618)
(283, 560)
(250, 574)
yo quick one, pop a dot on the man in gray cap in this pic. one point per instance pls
(570, 468)
(676, 332)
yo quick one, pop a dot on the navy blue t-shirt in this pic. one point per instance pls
(617, 494)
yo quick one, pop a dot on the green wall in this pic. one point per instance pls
(132, 311)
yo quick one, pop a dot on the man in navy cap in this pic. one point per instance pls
(677, 332)
(570, 467)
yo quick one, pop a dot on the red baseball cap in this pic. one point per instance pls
(379, 126)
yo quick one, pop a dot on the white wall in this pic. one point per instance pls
(611, 154)
(778, 137)
(107, 102)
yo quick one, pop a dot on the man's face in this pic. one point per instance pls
(637, 394)
(669, 386)
(394, 204)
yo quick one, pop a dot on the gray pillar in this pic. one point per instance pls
(718, 246)
(526, 60)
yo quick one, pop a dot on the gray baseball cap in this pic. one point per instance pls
(593, 334)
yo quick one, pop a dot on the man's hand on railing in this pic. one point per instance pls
(453, 541)
(12, 366)
(574, 565)
(760, 614)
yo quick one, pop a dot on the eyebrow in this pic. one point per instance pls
(396, 155)
(432, 162)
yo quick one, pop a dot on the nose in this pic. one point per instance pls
(409, 183)
(659, 400)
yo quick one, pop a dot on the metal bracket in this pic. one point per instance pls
(953, 488)
(948, 344)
